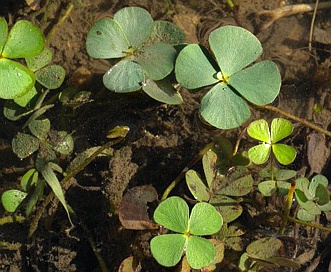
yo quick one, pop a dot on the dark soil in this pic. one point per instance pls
(163, 139)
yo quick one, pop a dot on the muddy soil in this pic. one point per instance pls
(162, 139)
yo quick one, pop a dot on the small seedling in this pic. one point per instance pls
(280, 129)
(219, 189)
(145, 47)
(23, 40)
(235, 48)
(173, 214)
(313, 197)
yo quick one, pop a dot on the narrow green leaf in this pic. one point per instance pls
(29, 179)
(157, 60)
(196, 186)
(280, 129)
(284, 154)
(11, 199)
(200, 252)
(173, 214)
(193, 69)
(259, 130)
(259, 84)
(234, 48)
(126, 76)
(136, 23)
(167, 249)
(24, 40)
(3, 33)
(16, 79)
(51, 76)
(223, 108)
(106, 40)
(259, 154)
(204, 219)
(36, 195)
(54, 183)
(162, 91)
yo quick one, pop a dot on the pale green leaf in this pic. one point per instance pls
(259, 154)
(167, 249)
(193, 69)
(173, 214)
(238, 187)
(305, 215)
(16, 79)
(227, 207)
(136, 23)
(24, 145)
(204, 219)
(126, 76)
(264, 248)
(26, 98)
(40, 128)
(268, 187)
(320, 179)
(167, 32)
(200, 252)
(259, 84)
(11, 199)
(223, 108)
(162, 91)
(106, 40)
(234, 48)
(3, 33)
(64, 143)
(284, 154)
(157, 60)
(259, 130)
(209, 163)
(196, 186)
(285, 174)
(280, 129)
(24, 40)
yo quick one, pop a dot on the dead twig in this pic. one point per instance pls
(263, 19)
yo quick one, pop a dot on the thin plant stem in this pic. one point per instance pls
(183, 172)
(288, 206)
(297, 119)
(59, 23)
(308, 224)
(312, 26)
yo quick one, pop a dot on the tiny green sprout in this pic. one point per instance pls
(23, 40)
(233, 77)
(313, 197)
(280, 129)
(173, 214)
(146, 49)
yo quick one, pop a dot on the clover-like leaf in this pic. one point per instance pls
(234, 49)
(11, 199)
(3, 33)
(39, 61)
(200, 252)
(280, 129)
(173, 213)
(24, 145)
(259, 154)
(51, 76)
(284, 154)
(259, 130)
(196, 186)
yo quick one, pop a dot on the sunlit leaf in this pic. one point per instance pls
(196, 186)
(199, 252)
(3, 33)
(284, 154)
(167, 32)
(259, 154)
(11, 199)
(39, 61)
(280, 129)
(259, 130)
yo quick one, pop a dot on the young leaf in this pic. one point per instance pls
(173, 214)
(204, 220)
(3, 33)
(234, 48)
(106, 40)
(39, 61)
(11, 199)
(259, 154)
(259, 130)
(200, 252)
(51, 76)
(284, 154)
(167, 249)
(209, 161)
(136, 23)
(126, 76)
(24, 40)
(280, 129)
(40, 128)
(29, 178)
(54, 183)
(268, 187)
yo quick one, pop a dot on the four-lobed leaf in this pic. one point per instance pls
(234, 48)
(280, 129)
(173, 213)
